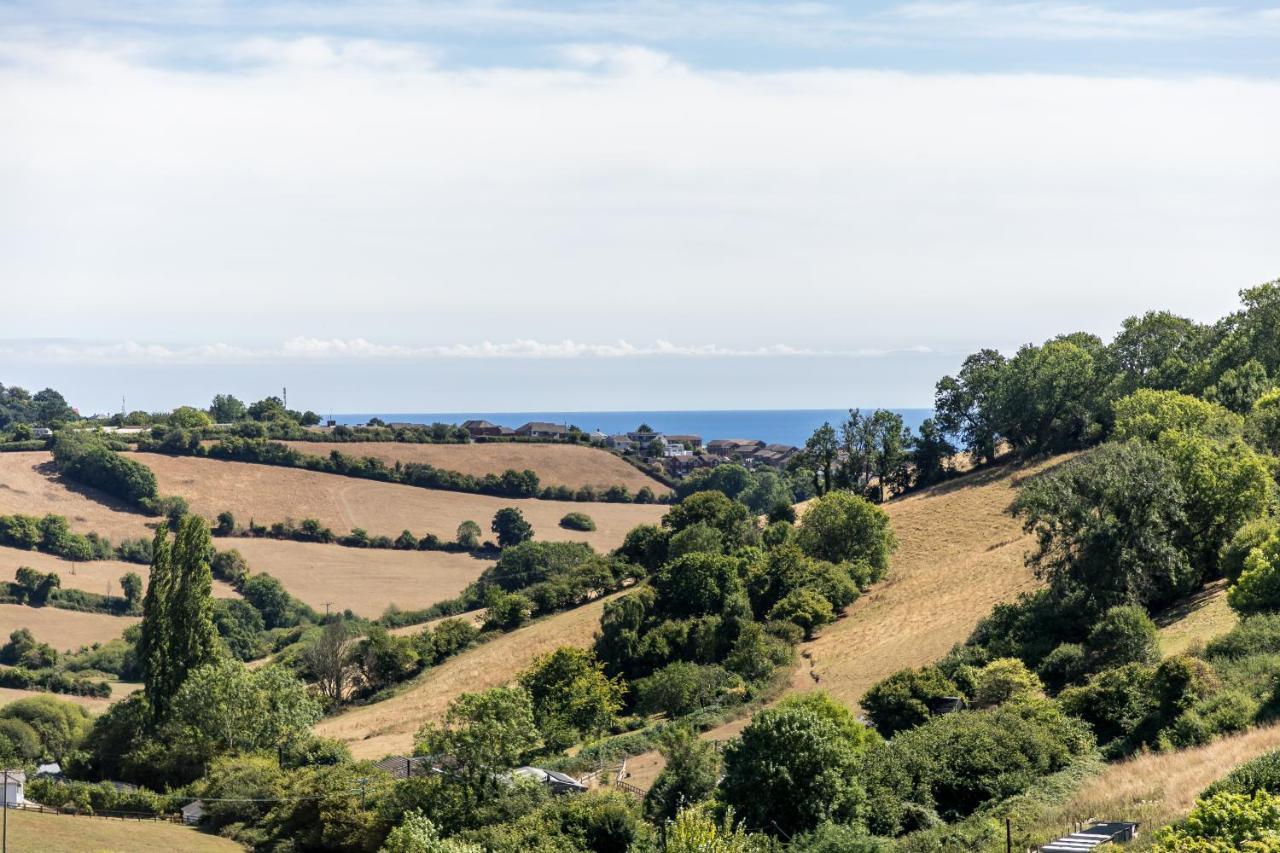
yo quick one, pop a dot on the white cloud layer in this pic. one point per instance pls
(352, 189)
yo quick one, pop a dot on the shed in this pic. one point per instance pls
(556, 782)
(1096, 835)
(193, 812)
(14, 784)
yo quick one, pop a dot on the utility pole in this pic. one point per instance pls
(364, 780)
(1008, 835)
(5, 844)
(284, 396)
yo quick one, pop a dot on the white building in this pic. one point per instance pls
(14, 781)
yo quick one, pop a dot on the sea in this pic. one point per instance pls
(775, 426)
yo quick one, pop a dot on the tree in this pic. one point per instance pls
(890, 440)
(931, 454)
(1108, 526)
(682, 687)
(328, 658)
(1224, 822)
(468, 535)
(571, 696)
(1146, 414)
(805, 608)
(842, 528)
(1050, 398)
(1005, 680)
(36, 586)
(1263, 423)
(857, 453)
(901, 701)
(511, 528)
(267, 595)
(417, 834)
(1123, 635)
(1156, 350)
(688, 777)
(792, 769)
(717, 510)
(695, 830)
(193, 638)
(486, 733)
(384, 659)
(969, 404)
(818, 458)
(226, 409)
(697, 584)
(268, 409)
(131, 587)
(187, 417)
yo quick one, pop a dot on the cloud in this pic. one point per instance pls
(361, 350)
(1079, 21)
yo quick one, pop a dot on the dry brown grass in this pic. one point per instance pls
(1158, 788)
(364, 580)
(65, 630)
(1197, 620)
(94, 705)
(32, 832)
(29, 485)
(269, 493)
(555, 464)
(100, 576)
(959, 554)
(387, 727)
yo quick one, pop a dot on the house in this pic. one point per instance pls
(643, 437)
(681, 465)
(41, 432)
(481, 428)
(14, 783)
(774, 455)
(556, 782)
(1097, 834)
(734, 448)
(193, 812)
(693, 442)
(620, 443)
(542, 429)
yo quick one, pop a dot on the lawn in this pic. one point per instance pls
(32, 832)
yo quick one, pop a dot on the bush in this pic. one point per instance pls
(805, 608)
(1222, 822)
(1258, 589)
(1259, 774)
(841, 527)
(1123, 635)
(1063, 666)
(1252, 534)
(1005, 680)
(681, 688)
(577, 521)
(901, 701)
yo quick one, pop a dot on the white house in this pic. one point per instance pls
(13, 783)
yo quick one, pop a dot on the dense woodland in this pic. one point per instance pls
(1171, 432)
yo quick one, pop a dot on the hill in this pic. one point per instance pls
(32, 832)
(364, 580)
(100, 576)
(268, 493)
(30, 485)
(63, 629)
(555, 464)
(383, 728)
(95, 705)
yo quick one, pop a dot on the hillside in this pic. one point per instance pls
(364, 580)
(32, 832)
(100, 576)
(95, 705)
(268, 493)
(555, 464)
(29, 485)
(373, 731)
(63, 629)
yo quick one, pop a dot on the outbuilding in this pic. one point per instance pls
(14, 783)
(193, 812)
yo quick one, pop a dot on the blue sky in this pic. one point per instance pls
(589, 205)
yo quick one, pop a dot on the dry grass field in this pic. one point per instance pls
(1196, 621)
(555, 464)
(1158, 788)
(29, 485)
(364, 580)
(65, 630)
(373, 731)
(119, 690)
(100, 576)
(32, 832)
(267, 493)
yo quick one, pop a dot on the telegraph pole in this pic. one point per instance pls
(5, 844)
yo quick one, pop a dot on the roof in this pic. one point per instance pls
(543, 426)
(696, 439)
(478, 425)
(15, 775)
(554, 778)
(1095, 836)
(195, 807)
(404, 766)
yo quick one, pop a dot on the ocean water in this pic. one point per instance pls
(783, 426)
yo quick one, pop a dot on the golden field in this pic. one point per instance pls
(65, 630)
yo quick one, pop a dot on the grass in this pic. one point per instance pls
(1192, 623)
(29, 485)
(555, 464)
(100, 576)
(119, 690)
(63, 629)
(387, 727)
(364, 580)
(269, 493)
(32, 832)
(1156, 788)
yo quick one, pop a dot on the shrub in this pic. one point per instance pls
(1123, 635)
(841, 527)
(901, 701)
(1063, 666)
(681, 688)
(88, 460)
(1258, 589)
(805, 608)
(1005, 680)
(1252, 534)
(1258, 774)
(1222, 822)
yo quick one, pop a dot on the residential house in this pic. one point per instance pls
(734, 448)
(774, 455)
(542, 429)
(193, 812)
(482, 428)
(14, 783)
(620, 443)
(556, 782)
(693, 442)
(682, 465)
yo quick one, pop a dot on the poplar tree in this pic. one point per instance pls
(178, 634)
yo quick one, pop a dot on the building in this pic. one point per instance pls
(683, 464)
(404, 766)
(14, 783)
(482, 428)
(620, 443)
(1096, 835)
(542, 429)
(193, 812)
(774, 455)
(734, 448)
(693, 442)
(556, 782)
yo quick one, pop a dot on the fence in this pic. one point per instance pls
(106, 814)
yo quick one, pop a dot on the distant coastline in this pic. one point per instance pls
(783, 426)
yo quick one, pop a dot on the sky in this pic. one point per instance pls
(450, 206)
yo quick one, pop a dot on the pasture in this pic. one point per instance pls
(65, 630)
(29, 485)
(33, 832)
(555, 464)
(383, 728)
(100, 576)
(94, 705)
(366, 580)
(268, 493)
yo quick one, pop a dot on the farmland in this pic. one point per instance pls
(29, 485)
(555, 464)
(63, 629)
(95, 705)
(33, 832)
(266, 494)
(363, 580)
(100, 576)
(373, 731)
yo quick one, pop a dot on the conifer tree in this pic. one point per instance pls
(153, 640)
